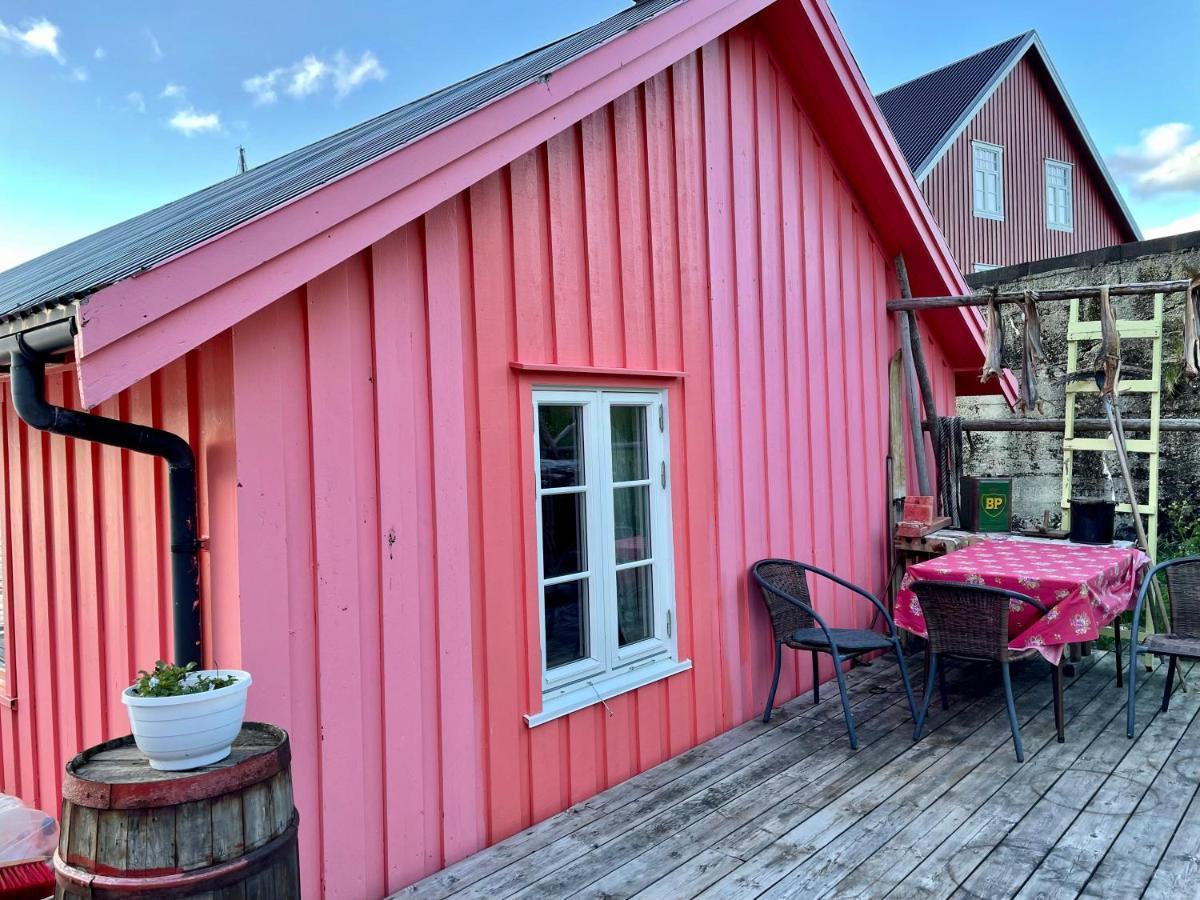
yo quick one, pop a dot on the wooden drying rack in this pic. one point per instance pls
(918, 386)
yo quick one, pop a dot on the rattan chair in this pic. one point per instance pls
(783, 585)
(968, 621)
(1183, 589)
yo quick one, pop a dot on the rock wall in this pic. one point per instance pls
(1035, 459)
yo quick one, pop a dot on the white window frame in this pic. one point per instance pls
(610, 669)
(978, 192)
(1069, 191)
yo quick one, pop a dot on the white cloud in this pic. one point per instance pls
(311, 74)
(306, 77)
(173, 90)
(1165, 160)
(79, 73)
(347, 76)
(1181, 225)
(262, 87)
(38, 37)
(99, 53)
(189, 122)
(156, 53)
(136, 101)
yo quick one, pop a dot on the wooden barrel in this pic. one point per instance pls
(222, 831)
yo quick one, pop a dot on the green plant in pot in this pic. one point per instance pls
(183, 717)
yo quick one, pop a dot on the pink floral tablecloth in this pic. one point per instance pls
(1084, 587)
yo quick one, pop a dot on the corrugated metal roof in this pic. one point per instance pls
(923, 112)
(108, 256)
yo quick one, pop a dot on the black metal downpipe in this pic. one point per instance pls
(28, 374)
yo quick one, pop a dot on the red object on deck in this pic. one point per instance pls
(918, 510)
(31, 879)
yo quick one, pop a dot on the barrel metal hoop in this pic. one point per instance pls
(208, 878)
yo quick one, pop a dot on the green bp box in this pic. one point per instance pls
(986, 504)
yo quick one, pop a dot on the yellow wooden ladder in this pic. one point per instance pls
(1089, 331)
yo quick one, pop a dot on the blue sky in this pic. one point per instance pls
(110, 109)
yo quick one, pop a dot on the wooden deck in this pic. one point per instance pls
(786, 809)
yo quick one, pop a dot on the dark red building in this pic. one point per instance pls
(1004, 159)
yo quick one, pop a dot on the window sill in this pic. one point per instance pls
(1064, 228)
(995, 217)
(589, 693)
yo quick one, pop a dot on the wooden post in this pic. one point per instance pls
(914, 414)
(896, 489)
(910, 339)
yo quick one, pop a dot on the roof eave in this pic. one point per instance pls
(922, 230)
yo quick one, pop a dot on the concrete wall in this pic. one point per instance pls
(1035, 460)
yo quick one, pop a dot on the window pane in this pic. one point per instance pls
(635, 605)
(564, 534)
(629, 443)
(566, 622)
(631, 523)
(560, 442)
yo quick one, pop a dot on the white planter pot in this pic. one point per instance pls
(192, 730)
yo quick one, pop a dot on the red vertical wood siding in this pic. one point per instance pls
(385, 505)
(86, 569)
(1025, 118)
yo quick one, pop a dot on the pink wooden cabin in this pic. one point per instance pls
(642, 271)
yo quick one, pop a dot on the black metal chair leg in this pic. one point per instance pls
(1059, 726)
(841, 682)
(1117, 645)
(774, 682)
(931, 667)
(816, 661)
(1012, 712)
(1133, 664)
(1170, 682)
(912, 704)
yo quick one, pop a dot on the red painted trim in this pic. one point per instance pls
(598, 371)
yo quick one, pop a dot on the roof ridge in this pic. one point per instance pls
(1018, 37)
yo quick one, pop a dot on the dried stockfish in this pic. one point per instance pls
(1191, 327)
(1032, 354)
(993, 357)
(1108, 354)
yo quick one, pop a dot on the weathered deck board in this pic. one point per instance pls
(468, 872)
(788, 810)
(958, 825)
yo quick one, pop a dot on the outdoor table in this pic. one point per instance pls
(1084, 588)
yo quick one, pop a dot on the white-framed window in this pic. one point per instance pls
(984, 267)
(1059, 199)
(606, 591)
(987, 179)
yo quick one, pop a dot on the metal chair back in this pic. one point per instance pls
(778, 580)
